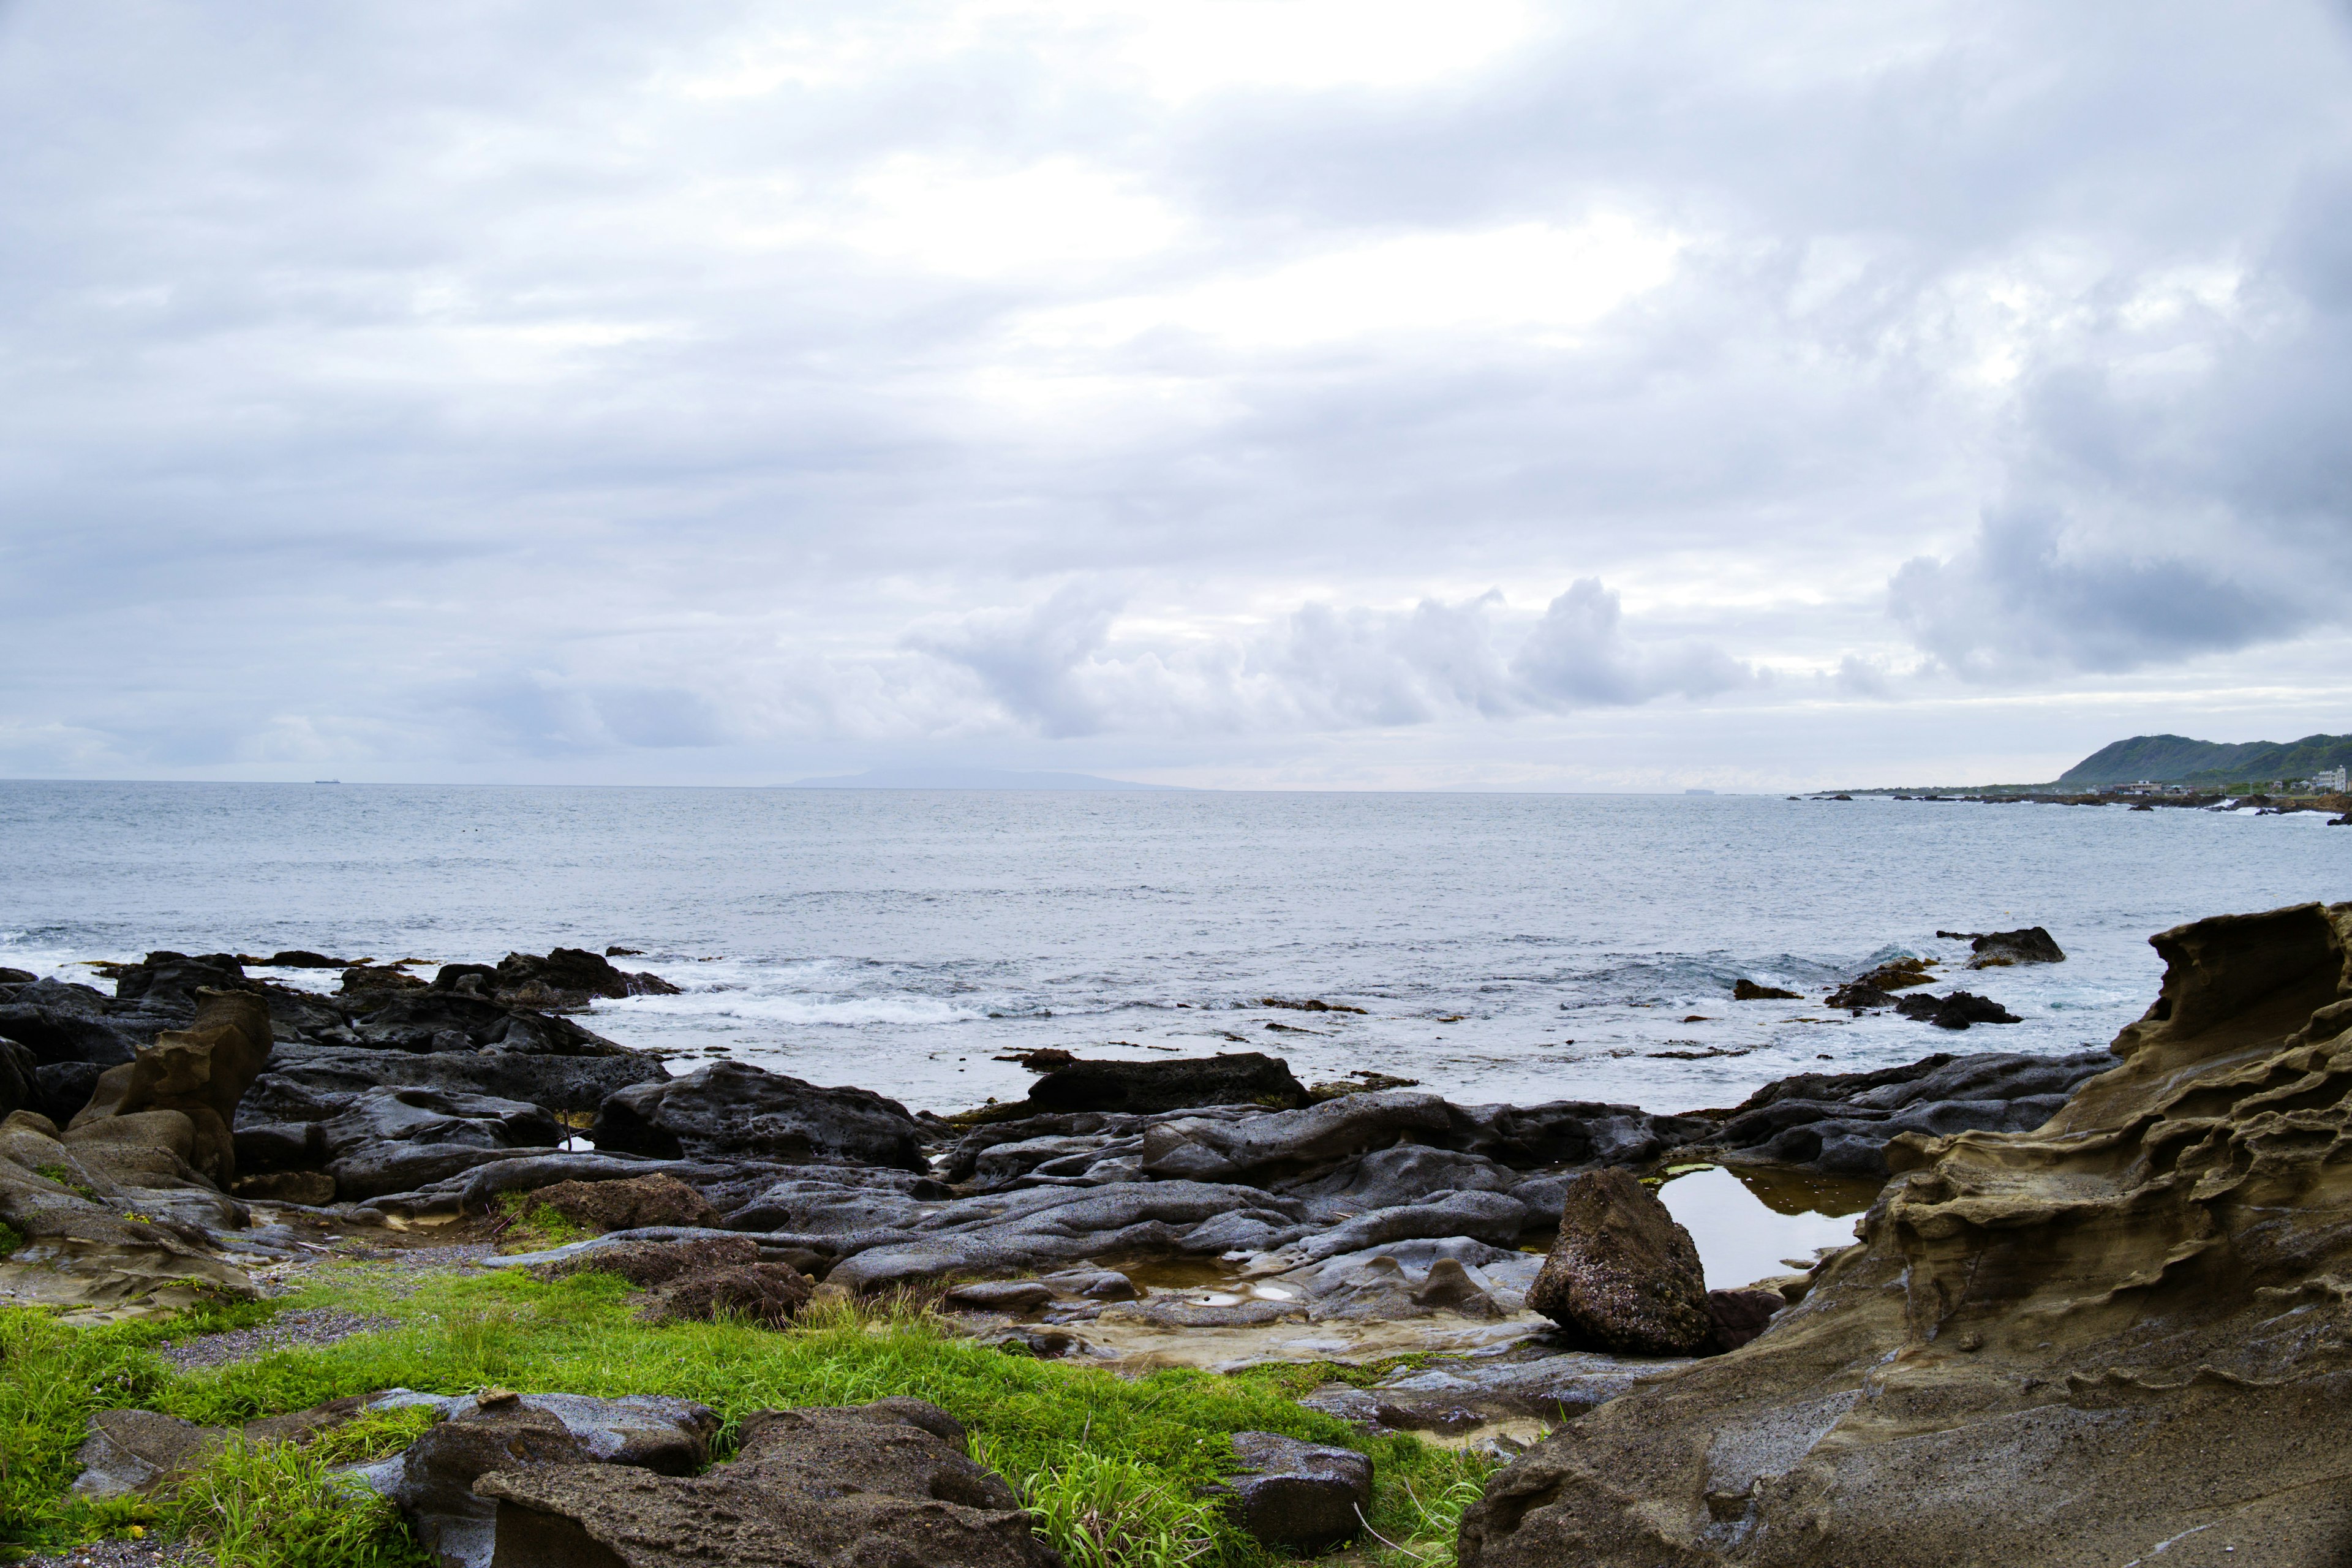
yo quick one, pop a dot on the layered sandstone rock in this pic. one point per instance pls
(2125, 1333)
(200, 1072)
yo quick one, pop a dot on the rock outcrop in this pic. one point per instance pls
(113, 1227)
(2001, 948)
(1306, 1497)
(1624, 1277)
(2124, 1333)
(436, 1480)
(1842, 1122)
(890, 1482)
(1239, 1078)
(568, 977)
(1955, 1011)
(733, 1109)
(200, 1072)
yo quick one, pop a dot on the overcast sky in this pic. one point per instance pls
(1288, 392)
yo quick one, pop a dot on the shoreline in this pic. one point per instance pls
(1402, 1269)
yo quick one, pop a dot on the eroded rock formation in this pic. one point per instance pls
(2125, 1332)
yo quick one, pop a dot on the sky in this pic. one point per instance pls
(1282, 393)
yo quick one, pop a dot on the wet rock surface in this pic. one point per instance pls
(2115, 1335)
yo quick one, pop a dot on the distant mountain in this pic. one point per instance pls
(968, 778)
(2176, 759)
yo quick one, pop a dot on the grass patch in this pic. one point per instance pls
(10, 1240)
(526, 1224)
(1112, 1465)
(63, 1175)
(273, 1505)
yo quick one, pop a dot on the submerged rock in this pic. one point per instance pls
(2121, 1334)
(1745, 989)
(2000, 949)
(1623, 1276)
(1957, 1011)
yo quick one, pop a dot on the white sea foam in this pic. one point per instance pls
(1501, 948)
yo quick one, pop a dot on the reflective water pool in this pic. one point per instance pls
(1747, 1222)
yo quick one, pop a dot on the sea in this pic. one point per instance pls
(1489, 947)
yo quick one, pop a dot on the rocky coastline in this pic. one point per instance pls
(2158, 1214)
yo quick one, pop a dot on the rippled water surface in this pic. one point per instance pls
(1501, 947)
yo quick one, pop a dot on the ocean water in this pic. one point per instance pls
(1501, 947)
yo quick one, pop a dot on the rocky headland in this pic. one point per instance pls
(2083, 1272)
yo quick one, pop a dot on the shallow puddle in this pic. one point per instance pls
(1746, 1222)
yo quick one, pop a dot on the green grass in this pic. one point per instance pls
(1114, 1466)
(529, 1226)
(10, 1240)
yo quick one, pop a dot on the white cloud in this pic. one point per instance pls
(578, 387)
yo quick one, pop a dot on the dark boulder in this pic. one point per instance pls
(1957, 1011)
(426, 1116)
(735, 1109)
(2000, 949)
(1209, 1149)
(1856, 997)
(168, 982)
(650, 1263)
(884, 1484)
(568, 977)
(298, 958)
(1561, 1132)
(366, 980)
(768, 1294)
(1046, 1228)
(1241, 1078)
(452, 1021)
(20, 1087)
(62, 1089)
(1746, 990)
(1386, 1178)
(388, 1140)
(313, 1188)
(1741, 1315)
(434, 1481)
(15, 976)
(1623, 1276)
(59, 1021)
(1306, 1497)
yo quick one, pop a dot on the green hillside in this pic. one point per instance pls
(2176, 759)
